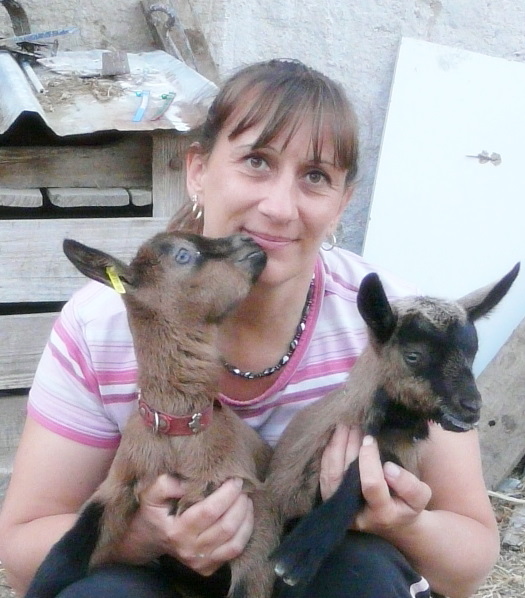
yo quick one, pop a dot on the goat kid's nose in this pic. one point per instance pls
(471, 401)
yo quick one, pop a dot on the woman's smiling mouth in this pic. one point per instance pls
(269, 242)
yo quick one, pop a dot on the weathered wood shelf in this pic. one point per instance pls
(142, 169)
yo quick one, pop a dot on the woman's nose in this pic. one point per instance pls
(280, 200)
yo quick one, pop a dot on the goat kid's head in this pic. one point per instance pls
(427, 347)
(178, 272)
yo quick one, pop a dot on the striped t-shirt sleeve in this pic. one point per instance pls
(84, 386)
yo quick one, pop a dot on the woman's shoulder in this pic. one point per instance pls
(95, 316)
(95, 305)
(344, 271)
(95, 301)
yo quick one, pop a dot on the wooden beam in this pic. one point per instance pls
(33, 267)
(12, 416)
(22, 340)
(126, 163)
(502, 424)
(168, 173)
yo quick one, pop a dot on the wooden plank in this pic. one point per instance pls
(175, 30)
(21, 198)
(33, 267)
(502, 424)
(126, 163)
(12, 416)
(168, 173)
(74, 197)
(22, 340)
(140, 197)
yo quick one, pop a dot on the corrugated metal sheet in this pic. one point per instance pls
(78, 100)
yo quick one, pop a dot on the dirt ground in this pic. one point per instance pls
(507, 579)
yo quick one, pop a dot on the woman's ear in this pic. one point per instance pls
(195, 168)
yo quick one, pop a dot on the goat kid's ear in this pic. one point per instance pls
(479, 303)
(94, 263)
(374, 307)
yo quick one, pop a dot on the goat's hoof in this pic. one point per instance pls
(297, 568)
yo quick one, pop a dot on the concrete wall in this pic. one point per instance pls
(354, 41)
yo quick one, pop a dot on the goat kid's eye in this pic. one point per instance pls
(412, 357)
(183, 256)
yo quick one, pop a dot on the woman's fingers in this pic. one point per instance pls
(205, 513)
(227, 526)
(213, 530)
(228, 537)
(415, 493)
(342, 449)
(394, 496)
(162, 491)
(373, 483)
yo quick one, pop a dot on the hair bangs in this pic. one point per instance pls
(284, 108)
(282, 95)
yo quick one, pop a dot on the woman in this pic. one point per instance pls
(276, 159)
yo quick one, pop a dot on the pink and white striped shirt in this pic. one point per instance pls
(85, 385)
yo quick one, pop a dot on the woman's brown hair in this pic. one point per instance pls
(282, 94)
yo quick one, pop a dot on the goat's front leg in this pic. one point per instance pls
(252, 574)
(304, 549)
(68, 560)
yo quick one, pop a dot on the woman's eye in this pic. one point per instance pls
(317, 176)
(183, 256)
(257, 163)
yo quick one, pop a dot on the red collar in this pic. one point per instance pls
(175, 425)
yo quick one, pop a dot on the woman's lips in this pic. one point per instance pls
(268, 242)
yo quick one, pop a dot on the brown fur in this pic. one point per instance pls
(173, 313)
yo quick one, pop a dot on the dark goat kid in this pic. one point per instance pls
(176, 291)
(416, 368)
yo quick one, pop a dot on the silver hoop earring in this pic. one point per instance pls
(196, 210)
(330, 243)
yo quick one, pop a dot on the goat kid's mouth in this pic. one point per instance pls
(452, 423)
(256, 261)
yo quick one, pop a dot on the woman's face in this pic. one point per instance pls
(276, 194)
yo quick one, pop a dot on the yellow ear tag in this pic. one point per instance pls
(115, 280)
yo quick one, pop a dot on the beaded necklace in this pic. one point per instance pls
(291, 348)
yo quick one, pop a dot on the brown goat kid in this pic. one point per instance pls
(176, 291)
(416, 368)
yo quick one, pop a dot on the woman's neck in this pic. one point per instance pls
(259, 333)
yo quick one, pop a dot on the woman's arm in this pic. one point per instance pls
(443, 523)
(52, 477)
(454, 543)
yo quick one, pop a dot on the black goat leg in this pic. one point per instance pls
(304, 549)
(68, 560)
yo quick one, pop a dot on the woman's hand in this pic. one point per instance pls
(394, 497)
(204, 537)
(342, 449)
